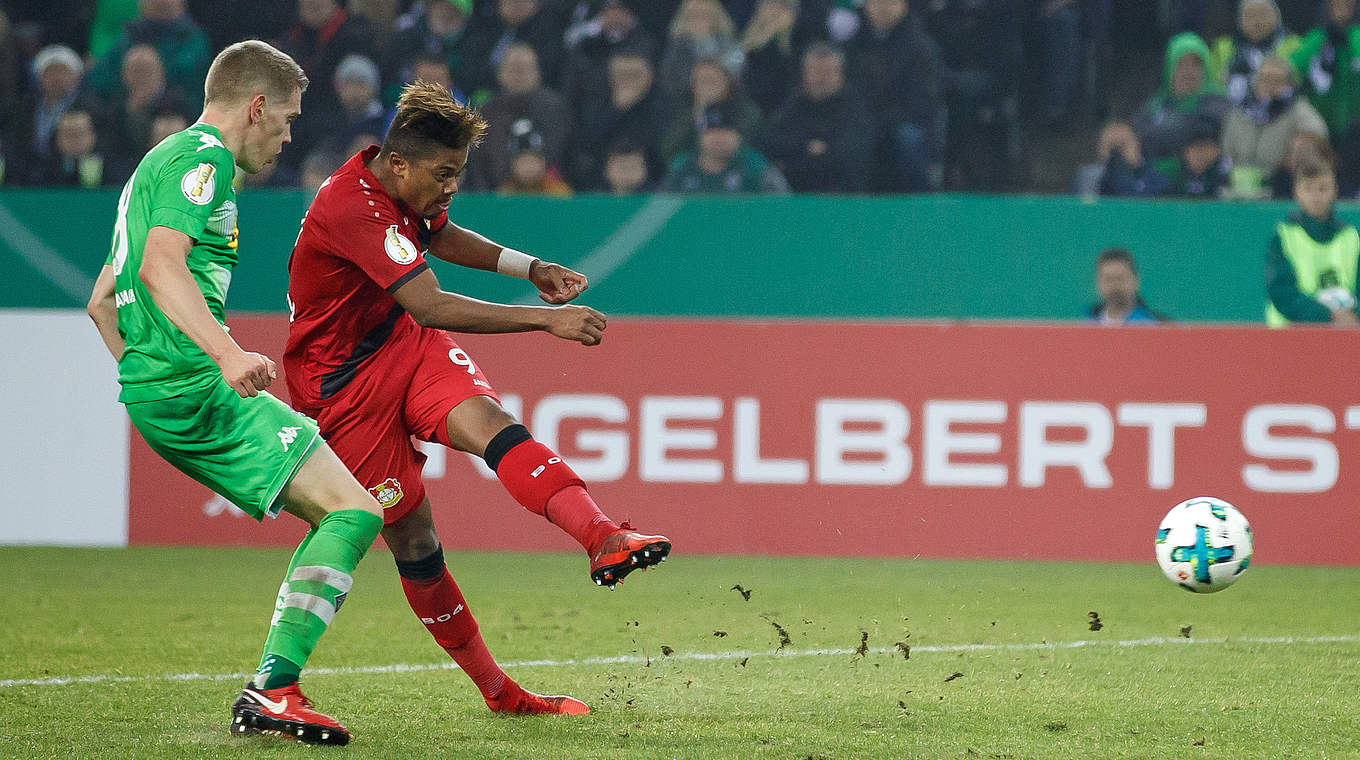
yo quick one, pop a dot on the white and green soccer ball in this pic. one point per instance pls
(1204, 544)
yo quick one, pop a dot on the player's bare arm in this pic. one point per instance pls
(104, 311)
(431, 306)
(172, 287)
(458, 245)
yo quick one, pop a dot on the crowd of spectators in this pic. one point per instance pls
(1231, 119)
(707, 96)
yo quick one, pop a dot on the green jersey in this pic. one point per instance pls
(185, 184)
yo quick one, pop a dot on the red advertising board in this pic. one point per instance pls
(897, 440)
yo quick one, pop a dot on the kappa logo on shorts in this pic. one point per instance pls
(388, 492)
(287, 435)
(399, 248)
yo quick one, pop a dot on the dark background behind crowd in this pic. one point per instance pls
(1190, 98)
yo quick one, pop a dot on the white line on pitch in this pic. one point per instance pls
(1152, 641)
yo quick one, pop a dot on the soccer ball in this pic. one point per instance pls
(1204, 544)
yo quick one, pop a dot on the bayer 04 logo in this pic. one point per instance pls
(1204, 544)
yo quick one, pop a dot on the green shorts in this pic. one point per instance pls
(246, 449)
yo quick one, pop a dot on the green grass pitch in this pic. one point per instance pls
(1003, 662)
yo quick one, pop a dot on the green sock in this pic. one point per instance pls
(270, 639)
(317, 582)
(275, 672)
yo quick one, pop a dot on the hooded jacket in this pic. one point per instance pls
(1168, 121)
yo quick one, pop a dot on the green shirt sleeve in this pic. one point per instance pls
(190, 187)
(1282, 286)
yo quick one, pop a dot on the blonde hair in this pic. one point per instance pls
(249, 68)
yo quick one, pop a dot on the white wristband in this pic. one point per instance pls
(515, 263)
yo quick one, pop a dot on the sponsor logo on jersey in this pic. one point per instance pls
(388, 492)
(198, 185)
(124, 297)
(399, 247)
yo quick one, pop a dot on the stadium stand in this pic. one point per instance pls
(962, 95)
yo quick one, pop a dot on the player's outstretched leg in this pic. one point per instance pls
(540, 481)
(438, 602)
(316, 585)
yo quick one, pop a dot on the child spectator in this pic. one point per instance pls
(529, 171)
(1312, 257)
(1201, 172)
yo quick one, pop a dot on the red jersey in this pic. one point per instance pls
(357, 247)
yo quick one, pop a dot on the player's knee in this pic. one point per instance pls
(351, 495)
(475, 422)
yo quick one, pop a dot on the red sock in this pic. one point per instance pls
(441, 607)
(572, 510)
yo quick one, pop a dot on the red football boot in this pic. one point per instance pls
(284, 711)
(515, 700)
(625, 551)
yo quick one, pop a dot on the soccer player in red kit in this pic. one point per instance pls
(369, 359)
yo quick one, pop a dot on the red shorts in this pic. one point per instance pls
(403, 391)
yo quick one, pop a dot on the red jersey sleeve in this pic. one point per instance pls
(371, 233)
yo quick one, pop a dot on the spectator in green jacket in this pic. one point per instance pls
(1326, 61)
(723, 163)
(166, 26)
(1188, 103)
(1312, 257)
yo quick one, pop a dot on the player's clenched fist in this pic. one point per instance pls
(579, 323)
(556, 284)
(248, 373)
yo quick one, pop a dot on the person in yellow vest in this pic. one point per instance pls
(1312, 260)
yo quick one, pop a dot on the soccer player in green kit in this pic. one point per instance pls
(199, 399)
